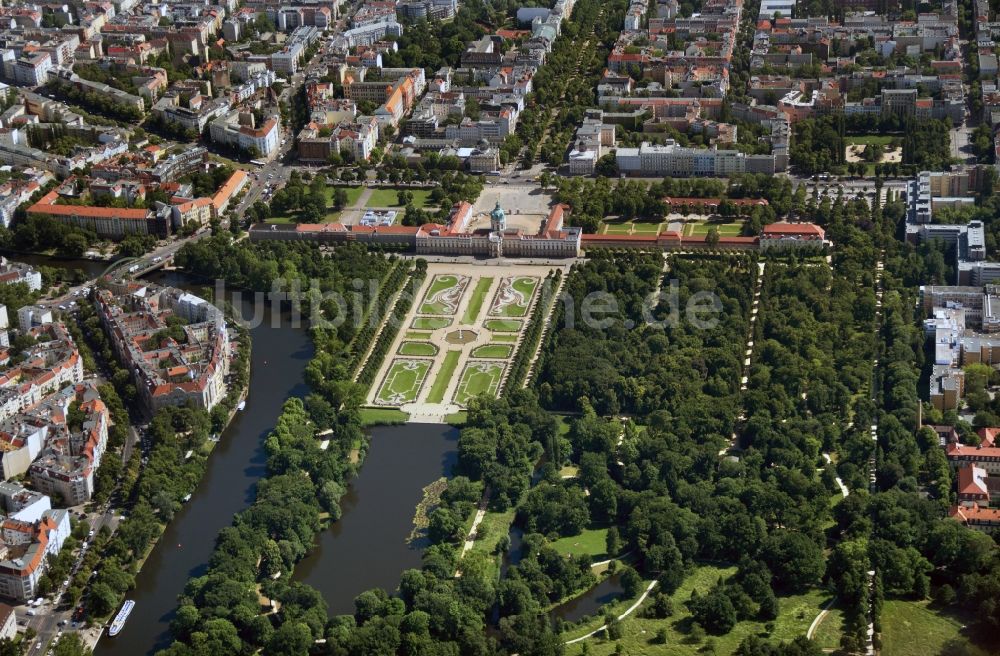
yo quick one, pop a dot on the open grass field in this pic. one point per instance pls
(425, 349)
(796, 614)
(389, 198)
(448, 366)
(869, 140)
(478, 378)
(353, 194)
(403, 381)
(701, 228)
(476, 300)
(413, 334)
(430, 323)
(503, 325)
(590, 542)
(912, 628)
(457, 418)
(513, 298)
(631, 228)
(646, 228)
(617, 228)
(827, 634)
(505, 337)
(382, 417)
(501, 351)
(443, 294)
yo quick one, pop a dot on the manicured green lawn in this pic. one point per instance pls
(631, 228)
(443, 295)
(413, 334)
(477, 300)
(382, 416)
(457, 418)
(436, 395)
(493, 351)
(478, 378)
(701, 229)
(646, 228)
(503, 325)
(869, 140)
(590, 542)
(524, 288)
(911, 628)
(430, 323)
(796, 614)
(417, 348)
(389, 198)
(504, 337)
(403, 381)
(353, 194)
(617, 228)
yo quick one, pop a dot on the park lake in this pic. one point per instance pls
(369, 547)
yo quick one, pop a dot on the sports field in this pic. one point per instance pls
(476, 300)
(425, 349)
(501, 351)
(444, 294)
(403, 381)
(430, 323)
(513, 298)
(478, 378)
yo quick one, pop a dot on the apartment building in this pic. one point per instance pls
(238, 130)
(652, 160)
(15, 272)
(109, 222)
(167, 370)
(31, 532)
(65, 468)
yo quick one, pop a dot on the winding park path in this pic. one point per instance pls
(631, 609)
(819, 618)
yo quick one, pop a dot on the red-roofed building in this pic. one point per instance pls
(986, 457)
(977, 517)
(792, 235)
(114, 222)
(972, 486)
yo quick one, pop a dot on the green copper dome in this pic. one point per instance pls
(498, 215)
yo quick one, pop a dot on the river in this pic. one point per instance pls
(92, 268)
(235, 466)
(366, 548)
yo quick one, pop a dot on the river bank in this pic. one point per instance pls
(227, 485)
